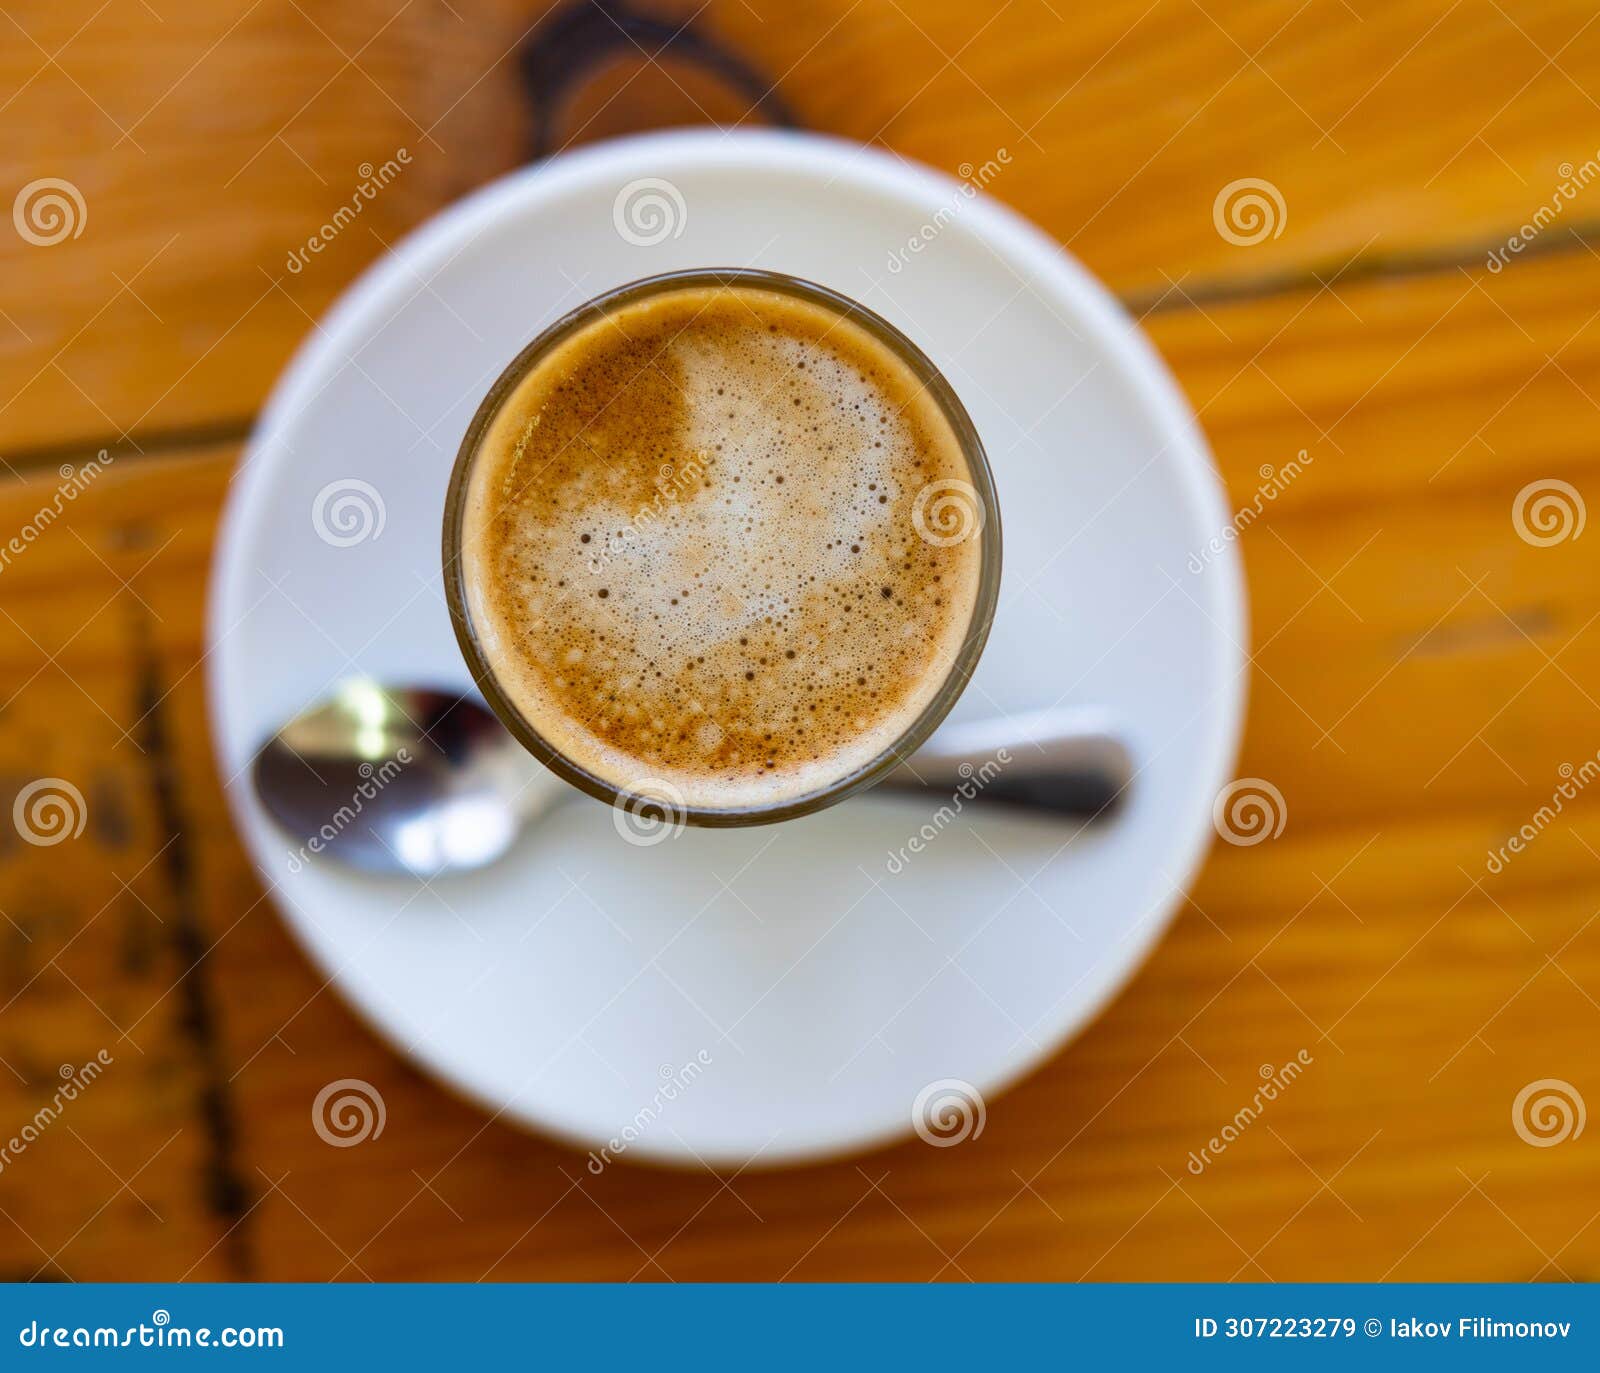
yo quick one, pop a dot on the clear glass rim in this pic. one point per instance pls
(933, 382)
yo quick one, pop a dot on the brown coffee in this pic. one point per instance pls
(720, 542)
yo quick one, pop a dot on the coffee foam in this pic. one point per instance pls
(691, 553)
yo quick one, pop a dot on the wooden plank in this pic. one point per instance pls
(99, 615)
(209, 141)
(1406, 581)
(1426, 990)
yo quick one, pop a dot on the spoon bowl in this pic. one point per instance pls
(411, 780)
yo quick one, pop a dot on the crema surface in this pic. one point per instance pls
(720, 542)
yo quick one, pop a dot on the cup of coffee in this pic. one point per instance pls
(721, 546)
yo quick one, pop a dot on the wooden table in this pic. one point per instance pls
(1422, 673)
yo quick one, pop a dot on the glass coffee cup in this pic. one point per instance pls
(643, 441)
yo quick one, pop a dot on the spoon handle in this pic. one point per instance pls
(1069, 760)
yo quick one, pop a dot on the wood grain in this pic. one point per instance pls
(211, 141)
(1421, 674)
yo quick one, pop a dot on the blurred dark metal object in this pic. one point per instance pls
(574, 41)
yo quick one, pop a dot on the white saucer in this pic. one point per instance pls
(817, 992)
